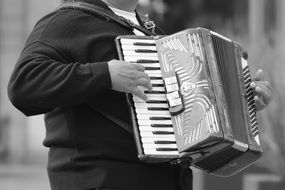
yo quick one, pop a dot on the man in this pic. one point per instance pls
(69, 71)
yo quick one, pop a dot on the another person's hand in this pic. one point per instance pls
(263, 90)
(129, 77)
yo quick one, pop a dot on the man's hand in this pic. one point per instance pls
(129, 77)
(263, 90)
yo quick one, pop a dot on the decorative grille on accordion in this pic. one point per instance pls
(201, 110)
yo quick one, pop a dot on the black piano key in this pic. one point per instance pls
(162, 133)
(157, 109)
(164, 142)
(154, 92)
(159, 118)
(155, 78)
(166, 149)
(161, 125)
(152, 68)
(145, 51)
(143, 44)
(157, 85)
(147, 61)
(156, 102)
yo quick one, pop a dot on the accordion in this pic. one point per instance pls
(201, 110)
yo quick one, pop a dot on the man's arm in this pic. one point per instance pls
(42, 80)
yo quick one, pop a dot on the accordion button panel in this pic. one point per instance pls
(173, 93)
(153, 117)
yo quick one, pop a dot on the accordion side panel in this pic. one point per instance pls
(244, 150)
(199, 125)
(254, 150)
(248, 102)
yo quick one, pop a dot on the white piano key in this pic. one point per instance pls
(150, 129)
(155, 152)
(150, 122)
(148, 116)
(143, 111)
(146, 140)
(155, 81)
(135, 59)
(159, 97)
(132, 41)
(158, 88)
(154, 146)
(150, 134)
(134, 47)
(147, 105)
(139, 54)
(154, 97)
(153, 72)
(165, 120)
(151, 65)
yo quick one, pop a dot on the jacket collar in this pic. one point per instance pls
(143, 20)
(96, 2)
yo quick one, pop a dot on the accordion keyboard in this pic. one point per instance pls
(153, 116)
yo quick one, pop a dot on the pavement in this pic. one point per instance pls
(23, 177)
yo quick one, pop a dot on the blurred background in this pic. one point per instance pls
(259, 25)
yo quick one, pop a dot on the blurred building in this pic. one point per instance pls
(20, 137)
(257, 24)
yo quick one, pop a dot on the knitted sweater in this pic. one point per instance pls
(62, 72)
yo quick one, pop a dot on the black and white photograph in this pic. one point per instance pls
(142, 94)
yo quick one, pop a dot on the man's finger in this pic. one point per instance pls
(263, 94)
(139, 67)
(259, 103)
(253, 85)
(258, 76)
(145, 83)
(265, 84)
(139, 93)
(143, 75)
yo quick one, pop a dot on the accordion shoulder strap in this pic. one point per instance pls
(106, 14)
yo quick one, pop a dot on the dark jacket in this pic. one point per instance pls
(63, 73)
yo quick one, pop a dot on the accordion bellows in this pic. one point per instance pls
(201, 110)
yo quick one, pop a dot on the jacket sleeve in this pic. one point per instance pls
(43, 80)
